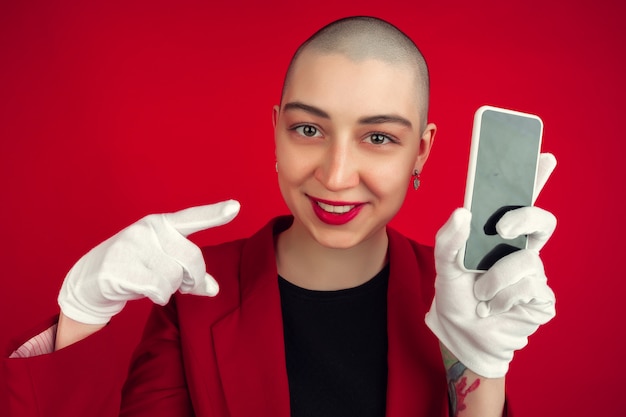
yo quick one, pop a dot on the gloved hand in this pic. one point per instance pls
(482, 318)
(150, 258)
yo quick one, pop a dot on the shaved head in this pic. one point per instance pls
(361, 38)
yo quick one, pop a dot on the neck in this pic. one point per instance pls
(302, 261)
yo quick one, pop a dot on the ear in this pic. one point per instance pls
(426, 143)
(275, 113)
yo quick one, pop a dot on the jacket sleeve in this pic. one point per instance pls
(91, 377)
(83, 379)
(156, 385)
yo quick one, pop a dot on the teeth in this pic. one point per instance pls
(335, 209)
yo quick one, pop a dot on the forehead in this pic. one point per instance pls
(344, 86)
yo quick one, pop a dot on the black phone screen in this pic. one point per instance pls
(504, 179)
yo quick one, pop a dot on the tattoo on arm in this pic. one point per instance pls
(457, 382)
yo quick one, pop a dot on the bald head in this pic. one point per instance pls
(361, 38)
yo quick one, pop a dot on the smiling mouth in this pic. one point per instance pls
(335, 213)
(329, 208)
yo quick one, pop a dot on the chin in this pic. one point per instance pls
(337, 242)
(342, 239)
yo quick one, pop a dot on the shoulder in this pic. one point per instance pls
(414, 259)
(399, 243)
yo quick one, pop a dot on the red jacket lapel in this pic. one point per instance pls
(249, 342)
(416, 380)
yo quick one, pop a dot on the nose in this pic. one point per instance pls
(339, 168)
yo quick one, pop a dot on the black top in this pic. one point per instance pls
(336, 348)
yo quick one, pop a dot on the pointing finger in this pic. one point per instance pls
(195, 219)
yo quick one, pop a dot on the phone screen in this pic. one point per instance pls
(504, 179)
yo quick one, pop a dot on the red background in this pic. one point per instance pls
(110, 112)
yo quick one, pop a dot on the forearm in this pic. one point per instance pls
(70, 331)
(471, 394)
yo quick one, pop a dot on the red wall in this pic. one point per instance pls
(110, 112)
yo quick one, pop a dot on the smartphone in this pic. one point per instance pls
(501, 176)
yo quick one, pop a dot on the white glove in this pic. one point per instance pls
(482, 318)
(150, 258)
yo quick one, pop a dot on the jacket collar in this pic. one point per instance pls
(249, 342)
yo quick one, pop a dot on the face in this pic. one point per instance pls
(348, 138)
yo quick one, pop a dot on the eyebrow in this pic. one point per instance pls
(296, 105)
(368, 120)
(383, 118)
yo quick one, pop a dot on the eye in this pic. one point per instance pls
(379, 139)
(308, 131)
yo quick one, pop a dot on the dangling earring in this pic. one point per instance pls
(416, 180)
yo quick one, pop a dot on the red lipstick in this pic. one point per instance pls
(335, 213)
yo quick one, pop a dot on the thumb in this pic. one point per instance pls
(194, 219)
(547, 163)
(207, 286)
(449, 241)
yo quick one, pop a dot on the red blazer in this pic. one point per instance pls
(224, 356)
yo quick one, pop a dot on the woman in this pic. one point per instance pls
(320, 313)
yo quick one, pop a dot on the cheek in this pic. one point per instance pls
(289, 190)
(389, 185)
(284, 151)
(295, 163)
(289, 171)
(389, 180)
(284, 190)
